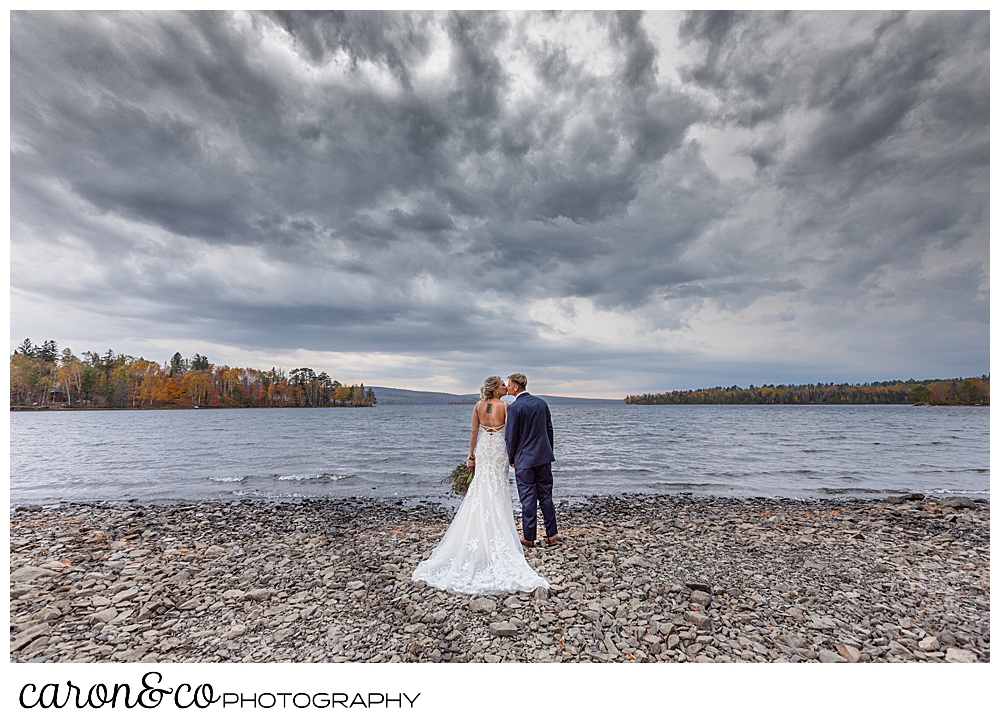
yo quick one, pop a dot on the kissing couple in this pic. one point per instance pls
(481, 553)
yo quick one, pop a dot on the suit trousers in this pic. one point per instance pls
(534, 487)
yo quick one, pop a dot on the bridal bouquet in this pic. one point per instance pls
(460, 479)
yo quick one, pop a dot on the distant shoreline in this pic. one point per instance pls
(171, 409)
(557, 402)
(964, 392)
(388, 396)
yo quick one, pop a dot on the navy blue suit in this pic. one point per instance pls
(529, 449)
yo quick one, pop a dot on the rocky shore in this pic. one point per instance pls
(638, 579)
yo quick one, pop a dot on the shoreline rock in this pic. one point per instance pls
(639, 578)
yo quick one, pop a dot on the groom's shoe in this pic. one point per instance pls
(555, 538)
(527, 543)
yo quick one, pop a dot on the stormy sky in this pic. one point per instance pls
(610, 203)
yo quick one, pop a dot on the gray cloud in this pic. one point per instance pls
(420, 183)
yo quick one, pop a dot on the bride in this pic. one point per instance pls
(481, 551)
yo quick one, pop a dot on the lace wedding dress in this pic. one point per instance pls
(481, 551)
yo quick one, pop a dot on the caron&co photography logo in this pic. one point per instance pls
(152, 692)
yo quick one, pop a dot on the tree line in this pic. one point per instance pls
(43, 377)
(962, 391)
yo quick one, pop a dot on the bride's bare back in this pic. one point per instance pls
(491, 413)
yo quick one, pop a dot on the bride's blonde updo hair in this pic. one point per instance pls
(489, 386)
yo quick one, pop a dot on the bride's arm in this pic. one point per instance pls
(474, 437)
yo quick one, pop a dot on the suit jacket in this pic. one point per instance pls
(529, 432)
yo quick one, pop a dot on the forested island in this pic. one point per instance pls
(42, 377)
(967, 391)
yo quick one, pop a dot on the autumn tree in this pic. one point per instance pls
(118, 380)
(70, 375)
(197, 386)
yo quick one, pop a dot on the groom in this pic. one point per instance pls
(529, 448)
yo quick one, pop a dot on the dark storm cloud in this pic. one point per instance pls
(185, 129)
(394, 40)
(880, 142)
(408, 182)
(910, 81)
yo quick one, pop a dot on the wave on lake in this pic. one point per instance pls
(406, 451)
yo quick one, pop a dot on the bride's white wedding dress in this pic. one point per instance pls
(481, 551)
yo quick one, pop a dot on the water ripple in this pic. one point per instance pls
(405, 451)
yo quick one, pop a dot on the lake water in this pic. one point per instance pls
(406, 451)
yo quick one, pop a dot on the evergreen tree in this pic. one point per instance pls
(178, 364)
(48, 352)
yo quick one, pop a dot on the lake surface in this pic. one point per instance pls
(406, 451)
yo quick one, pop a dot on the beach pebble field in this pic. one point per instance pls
(638, 579)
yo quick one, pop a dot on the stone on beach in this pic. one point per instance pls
(609, 644)
(849, 653)
(957, 503)
(828, 656)
(958, 655)
(724, 580)
(930, 644)
(30, 573)
(104, 616)
(698, 619)
(503, 629)
(29, 636)
(701, 598)
(482, 605)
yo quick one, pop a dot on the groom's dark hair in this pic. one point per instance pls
(519, 379)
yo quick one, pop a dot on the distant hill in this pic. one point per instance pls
(578, 400)
(389, 395)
